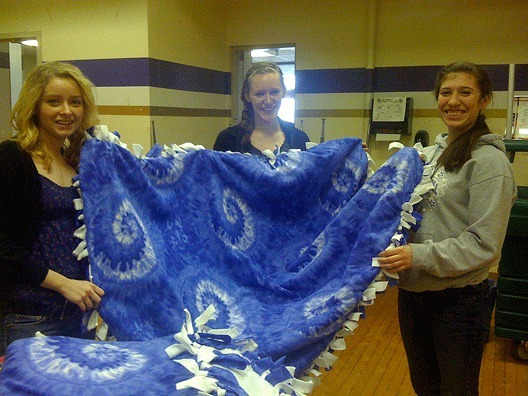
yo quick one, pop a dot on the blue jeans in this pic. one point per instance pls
(17, 326)
(444, 333)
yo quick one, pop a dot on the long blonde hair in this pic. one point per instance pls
(24, 116)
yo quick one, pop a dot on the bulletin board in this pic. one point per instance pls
(390, 117)
(520, 117)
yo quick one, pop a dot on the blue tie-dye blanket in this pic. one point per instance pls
(223, 273)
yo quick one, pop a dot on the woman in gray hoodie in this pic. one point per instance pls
(444, 298)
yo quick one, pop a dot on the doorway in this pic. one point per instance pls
(284, 57)
(17, 58)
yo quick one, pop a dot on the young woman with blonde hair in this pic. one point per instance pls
(42, 284)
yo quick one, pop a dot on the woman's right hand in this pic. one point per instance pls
(396, 259)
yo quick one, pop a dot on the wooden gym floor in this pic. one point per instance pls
(374, 362)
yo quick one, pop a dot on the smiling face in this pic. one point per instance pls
(265, 95)
(60, 109)
(460, 102)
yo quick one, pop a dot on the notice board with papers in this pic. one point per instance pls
(390, 117)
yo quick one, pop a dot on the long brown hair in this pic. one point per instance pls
(24, 115)
(458, 152)
(248, 115)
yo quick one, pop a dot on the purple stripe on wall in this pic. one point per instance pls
(521, 77)
(499, 75)
(132, 72)
(170, 75)
(404, 79)
(188, 78)
(330, 81)
(135, 72)
(422, 78)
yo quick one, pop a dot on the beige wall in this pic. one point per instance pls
(327, 34)
(428, 32)
(76, 30)
(333, 33)
(189, 32)
(192, 33)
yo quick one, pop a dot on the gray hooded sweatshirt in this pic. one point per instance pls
(464, 219)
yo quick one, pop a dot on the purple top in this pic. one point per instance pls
(53, 248)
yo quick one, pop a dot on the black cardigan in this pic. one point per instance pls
(236, 139)
(21, 212)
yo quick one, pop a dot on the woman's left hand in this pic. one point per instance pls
(396, 259)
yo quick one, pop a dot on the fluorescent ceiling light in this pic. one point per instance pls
(260, 53)
(31, 43)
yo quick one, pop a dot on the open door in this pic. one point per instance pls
(284, 57)
(16, 61)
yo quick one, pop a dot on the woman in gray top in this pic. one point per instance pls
(444, 300)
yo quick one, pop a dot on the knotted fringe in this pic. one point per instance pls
(409, 219)
(94, 321)
(266, 378)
